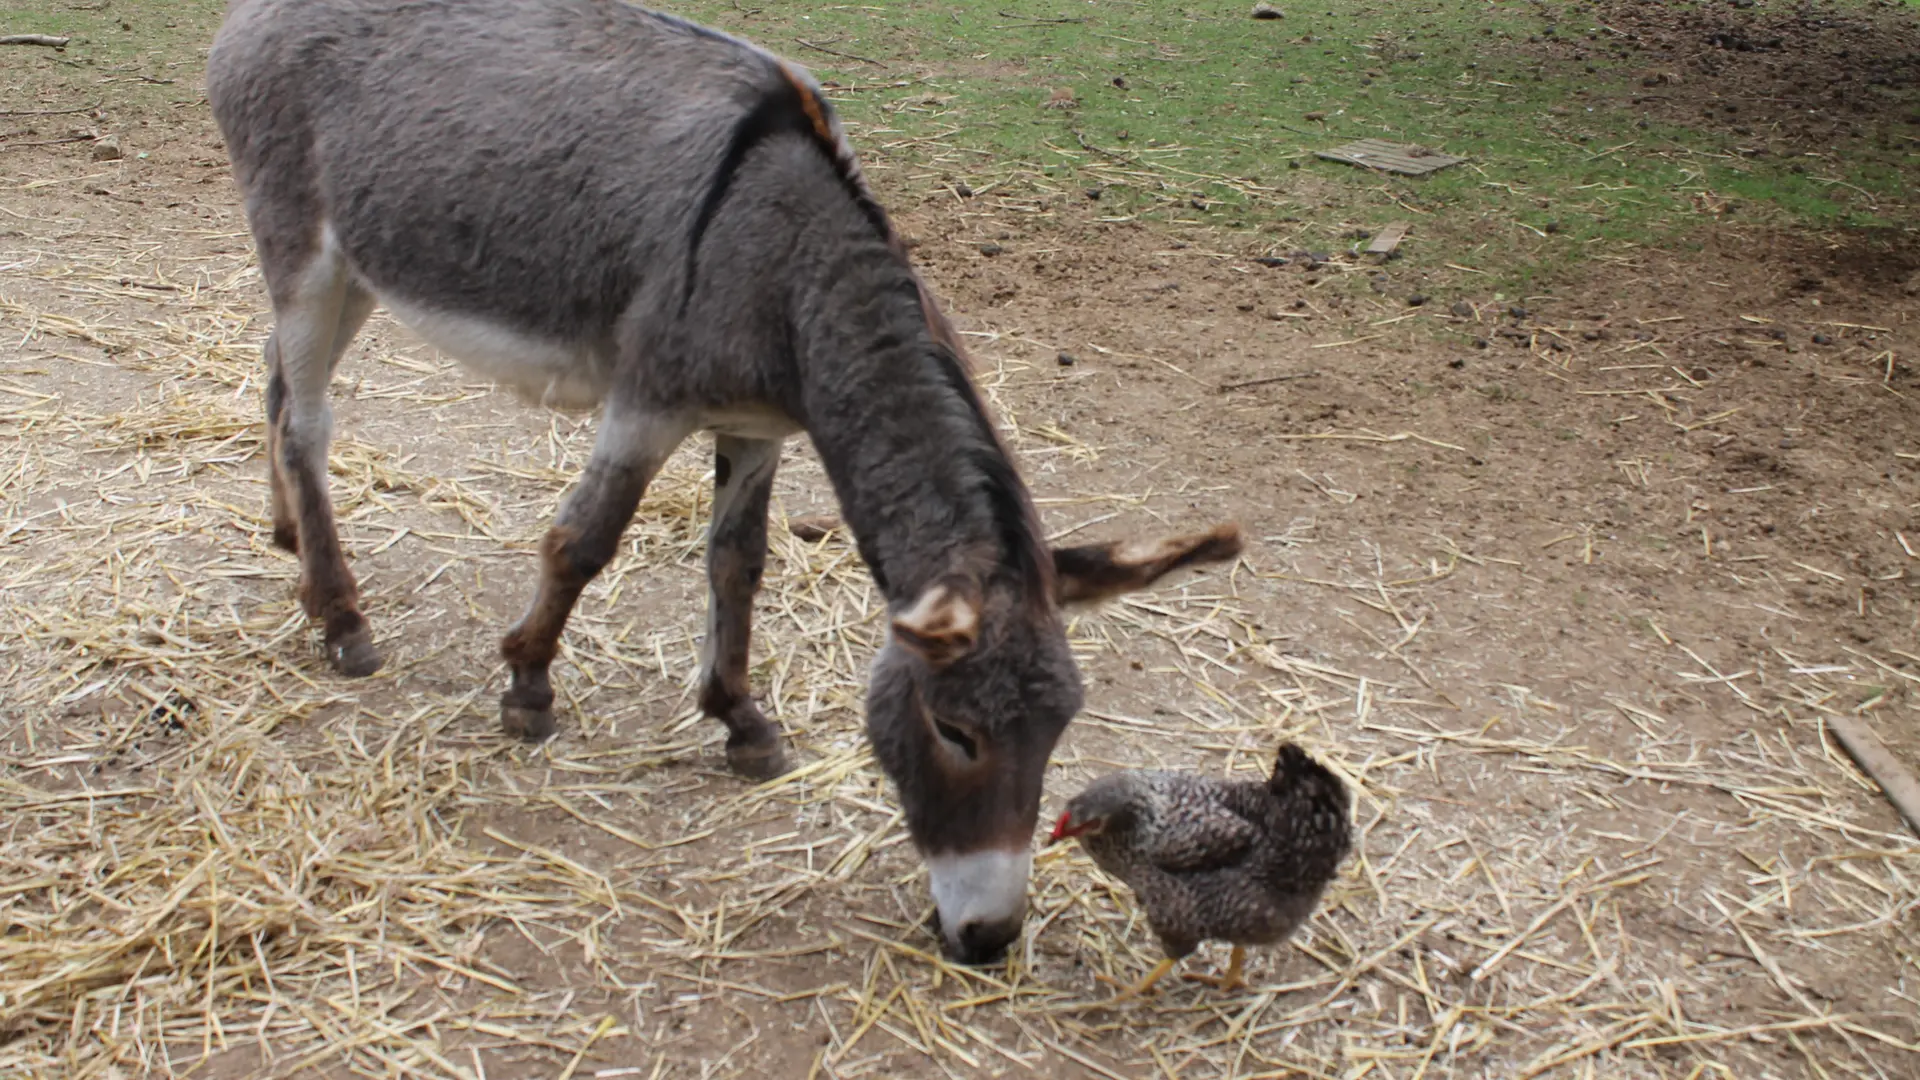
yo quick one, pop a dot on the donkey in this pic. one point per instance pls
(603, 206)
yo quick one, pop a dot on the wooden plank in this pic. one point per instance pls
(1388, 238)
(1899, 785)
(1391, 157)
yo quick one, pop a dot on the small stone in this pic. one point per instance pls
(107, 149)
(991, 249)
(1315, 116)
(1264, 10)
(1462, 309)
(1517, 311)
(1822, 339)
(1457, 363)
(1094, 193)
(1066, 359)
(963, 189)
(1416, 300)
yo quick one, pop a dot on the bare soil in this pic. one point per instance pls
(1566, 583)
(1786, 77)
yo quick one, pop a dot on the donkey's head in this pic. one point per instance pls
(969, 696)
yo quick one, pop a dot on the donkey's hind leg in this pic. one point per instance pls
(736, 555)
(629, 449)
(354, 309)
(314, 320)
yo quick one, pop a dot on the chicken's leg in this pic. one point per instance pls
(1159, 972)
(1232, 980)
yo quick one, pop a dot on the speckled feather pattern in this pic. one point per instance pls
(1215, 860)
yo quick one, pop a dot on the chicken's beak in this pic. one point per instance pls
(1061, 830)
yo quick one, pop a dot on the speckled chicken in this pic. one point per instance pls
(1216, 860)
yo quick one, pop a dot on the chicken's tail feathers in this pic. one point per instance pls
(1298, 776)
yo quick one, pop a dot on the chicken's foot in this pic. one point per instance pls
(1230, 981)
(1137, 989)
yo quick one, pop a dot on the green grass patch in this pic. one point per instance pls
(135, 55)
(1198, 115)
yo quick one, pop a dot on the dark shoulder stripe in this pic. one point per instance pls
(819, 114)
(794, 108)
(774, 114)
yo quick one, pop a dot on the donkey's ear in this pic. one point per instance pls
(943, 625)
(1098, 571)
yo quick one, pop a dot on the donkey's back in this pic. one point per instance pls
(507, 177)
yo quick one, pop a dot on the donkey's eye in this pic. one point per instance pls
(960, 740)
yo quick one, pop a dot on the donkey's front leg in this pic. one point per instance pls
(627, 453)
(736, 555)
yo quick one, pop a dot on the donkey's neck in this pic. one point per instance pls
(922, 479)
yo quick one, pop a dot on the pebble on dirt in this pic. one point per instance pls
(107, 149)
(1066, 359)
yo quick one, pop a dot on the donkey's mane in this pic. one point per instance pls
(1014, 518)
(795, 107)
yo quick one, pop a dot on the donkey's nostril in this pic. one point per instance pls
(985, 942)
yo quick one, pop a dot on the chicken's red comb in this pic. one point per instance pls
(1060, 828)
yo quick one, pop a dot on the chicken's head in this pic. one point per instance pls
(1107, 804)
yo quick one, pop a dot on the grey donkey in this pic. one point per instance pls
(601, 205)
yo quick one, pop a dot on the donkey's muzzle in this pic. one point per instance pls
(981, 897)
(985, 942)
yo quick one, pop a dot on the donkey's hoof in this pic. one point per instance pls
(758, 761)
(286, 538)
(525, 721)
(354, 655)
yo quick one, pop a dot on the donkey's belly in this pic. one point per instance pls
(557, 374)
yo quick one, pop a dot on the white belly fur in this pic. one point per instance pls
(559, 375)
(556, 374)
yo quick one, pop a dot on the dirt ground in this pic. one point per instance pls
(1790, 78)
(1566, 584)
